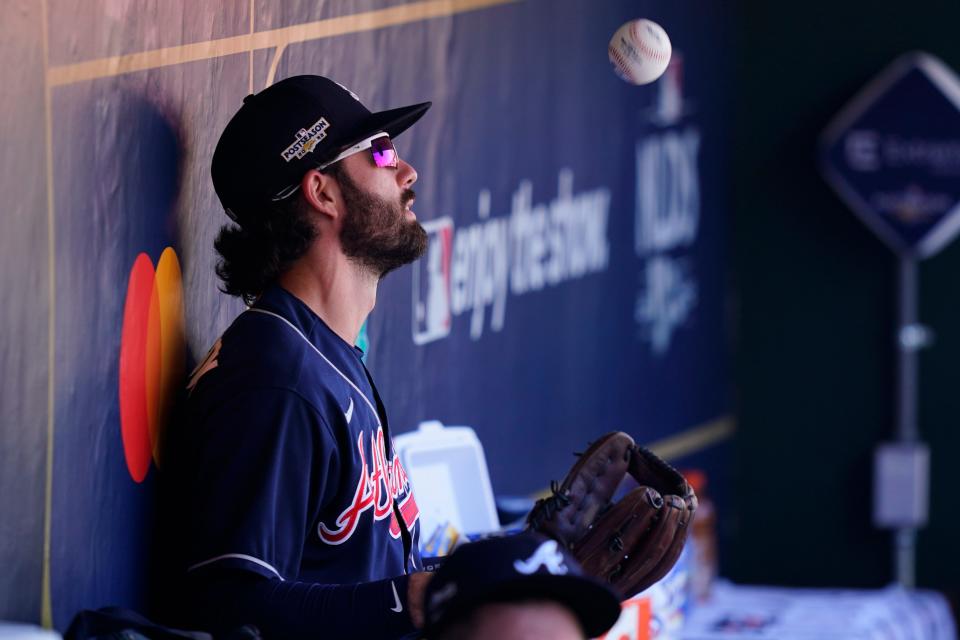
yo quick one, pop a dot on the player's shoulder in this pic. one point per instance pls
(250, 354)
(261, 349)
(266, 350)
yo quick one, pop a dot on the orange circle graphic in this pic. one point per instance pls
(152, 358)
(172, 347)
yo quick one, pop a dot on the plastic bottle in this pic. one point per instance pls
(703, 533)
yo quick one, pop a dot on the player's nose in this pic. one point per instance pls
(406, 175)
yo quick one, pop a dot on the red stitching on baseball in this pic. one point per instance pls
(638, 41)
(617, 59)
(659, 55)
(621, 63)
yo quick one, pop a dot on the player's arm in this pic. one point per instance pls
(226, 599)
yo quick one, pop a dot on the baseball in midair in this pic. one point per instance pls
(640, 51)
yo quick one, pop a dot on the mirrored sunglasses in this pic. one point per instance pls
(381, 148)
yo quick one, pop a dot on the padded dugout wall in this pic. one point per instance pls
(574, 282)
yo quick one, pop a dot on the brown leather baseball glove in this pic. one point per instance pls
(631, 543)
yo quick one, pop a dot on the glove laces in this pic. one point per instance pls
(546, 507)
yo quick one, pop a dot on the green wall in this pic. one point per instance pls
(814, 308)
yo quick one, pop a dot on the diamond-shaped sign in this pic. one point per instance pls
(893, 155)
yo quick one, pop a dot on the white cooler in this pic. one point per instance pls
(448, 470)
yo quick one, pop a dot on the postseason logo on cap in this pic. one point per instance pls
(306, 140)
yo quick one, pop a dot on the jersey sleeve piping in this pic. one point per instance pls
(230, 558)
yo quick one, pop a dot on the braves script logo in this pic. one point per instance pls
(546, 555)
(377, 488)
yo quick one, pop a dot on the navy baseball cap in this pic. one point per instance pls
(287, 129)
(515, 568)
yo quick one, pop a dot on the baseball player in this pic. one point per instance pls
(294, 511)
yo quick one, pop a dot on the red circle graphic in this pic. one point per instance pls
(134, 348)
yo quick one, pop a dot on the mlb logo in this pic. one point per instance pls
(431, 284)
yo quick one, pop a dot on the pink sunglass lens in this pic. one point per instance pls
(384, 154)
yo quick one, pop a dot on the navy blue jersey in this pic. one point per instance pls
(285, 451)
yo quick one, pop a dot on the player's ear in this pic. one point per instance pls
(321, 191)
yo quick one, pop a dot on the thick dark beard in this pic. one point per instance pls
(376, 233)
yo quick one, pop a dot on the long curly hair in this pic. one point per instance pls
(267, 243)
